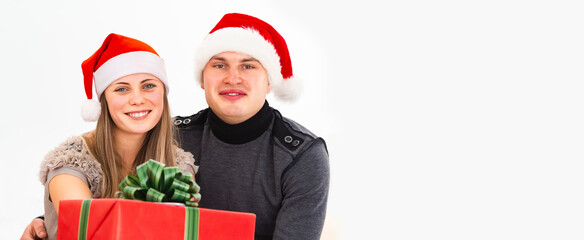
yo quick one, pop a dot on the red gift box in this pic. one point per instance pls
(130, 219)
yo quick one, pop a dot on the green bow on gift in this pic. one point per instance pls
(154, 182)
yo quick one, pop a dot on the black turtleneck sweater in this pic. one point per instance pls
(245, 131)
(268, 165)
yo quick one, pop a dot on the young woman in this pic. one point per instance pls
(133, 126)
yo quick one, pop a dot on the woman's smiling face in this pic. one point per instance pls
(135, 103)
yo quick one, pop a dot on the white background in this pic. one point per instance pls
(443, 119)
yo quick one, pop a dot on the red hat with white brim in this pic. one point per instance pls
(118, 56)
(249, 35)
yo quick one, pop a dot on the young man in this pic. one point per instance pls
(250, 157)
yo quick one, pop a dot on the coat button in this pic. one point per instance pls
(287, 139)
(295, 142)
(177, 122)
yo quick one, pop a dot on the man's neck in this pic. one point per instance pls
(245, 131)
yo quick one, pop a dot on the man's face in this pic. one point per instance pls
(235, 86)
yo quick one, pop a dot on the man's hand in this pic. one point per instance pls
(35, 230)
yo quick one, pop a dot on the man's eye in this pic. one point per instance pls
(219, 66)
(248, 67)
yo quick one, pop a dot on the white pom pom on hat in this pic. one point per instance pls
(252, 36)
(289, 90)
(90, 110)
(117, 57)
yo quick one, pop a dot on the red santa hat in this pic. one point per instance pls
(118, 56)
(249, 35)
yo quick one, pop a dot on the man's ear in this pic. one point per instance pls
(269, 87)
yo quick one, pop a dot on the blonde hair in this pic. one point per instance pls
(158, 145)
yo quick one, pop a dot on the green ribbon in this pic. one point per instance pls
(84, 219)
(154, 182)
(191, 223)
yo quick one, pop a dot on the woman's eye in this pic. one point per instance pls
(150, 85)
(121, 89)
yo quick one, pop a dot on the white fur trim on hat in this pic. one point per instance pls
(243, 40)
(126, 64)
